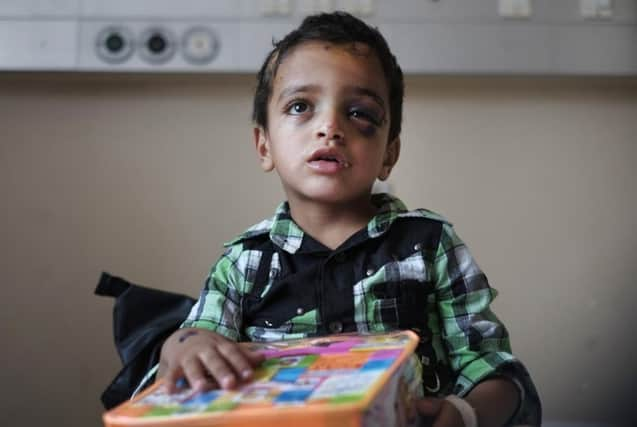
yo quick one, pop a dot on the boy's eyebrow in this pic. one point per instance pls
(358, 90)
(288, 91)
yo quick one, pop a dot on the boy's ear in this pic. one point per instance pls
(262, 144)
(392, 152)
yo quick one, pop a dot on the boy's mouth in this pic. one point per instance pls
(323, 157)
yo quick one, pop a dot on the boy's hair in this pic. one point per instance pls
(337, 28)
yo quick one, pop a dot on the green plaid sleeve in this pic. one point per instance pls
(477, 342)
(219, 306)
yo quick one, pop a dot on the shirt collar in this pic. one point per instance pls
(286, 234)
(389, 208)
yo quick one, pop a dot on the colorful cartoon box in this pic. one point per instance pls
(339, 380)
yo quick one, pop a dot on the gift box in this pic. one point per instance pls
(338, 380)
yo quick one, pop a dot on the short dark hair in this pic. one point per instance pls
(337, 28)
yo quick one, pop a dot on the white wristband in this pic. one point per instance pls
(468, 414)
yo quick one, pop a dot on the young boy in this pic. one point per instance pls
(335, 258)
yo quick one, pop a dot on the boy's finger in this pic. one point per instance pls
(218, 368)
(195, 374)
(170, 376)
(254, 357)
(238, 360)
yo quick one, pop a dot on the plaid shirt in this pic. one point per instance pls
(406, 269)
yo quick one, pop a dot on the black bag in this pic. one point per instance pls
(142, 320)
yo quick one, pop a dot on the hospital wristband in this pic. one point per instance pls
(468, 414)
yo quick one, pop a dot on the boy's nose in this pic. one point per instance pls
(330, 133)
(330, 129)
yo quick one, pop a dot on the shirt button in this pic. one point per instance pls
(369, 272)
(335, 327)
(299, 311)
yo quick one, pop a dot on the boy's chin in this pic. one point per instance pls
(336, 198)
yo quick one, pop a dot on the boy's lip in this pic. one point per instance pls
(328, 155)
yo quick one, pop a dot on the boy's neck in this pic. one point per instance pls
(332, 224)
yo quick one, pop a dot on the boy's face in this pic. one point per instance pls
(328, 124)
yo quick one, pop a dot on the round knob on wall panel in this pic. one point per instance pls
(200, 45)
(157, 45)
(114, 44)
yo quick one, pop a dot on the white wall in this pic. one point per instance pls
(146, 176)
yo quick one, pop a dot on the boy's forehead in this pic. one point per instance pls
(356, 49)
(361, 52)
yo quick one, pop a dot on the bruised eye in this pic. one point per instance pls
(298, 107)
(366, 115)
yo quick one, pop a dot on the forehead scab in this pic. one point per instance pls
(357, 49)
(353, 48)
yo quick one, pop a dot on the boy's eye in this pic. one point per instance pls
(368, 116)
(298, 107)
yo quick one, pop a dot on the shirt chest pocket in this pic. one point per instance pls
(400, 293)
(401, 304)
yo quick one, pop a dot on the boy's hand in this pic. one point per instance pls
(439, 412)
(206, 359)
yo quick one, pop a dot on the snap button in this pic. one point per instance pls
(417, 246)
(299, 311)
(335, 327)
(268, 323)
(369, 272)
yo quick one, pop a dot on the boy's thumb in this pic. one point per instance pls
(429, 406)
